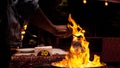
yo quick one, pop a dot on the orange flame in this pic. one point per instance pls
(79, 51)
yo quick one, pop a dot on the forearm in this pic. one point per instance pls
(40, 20)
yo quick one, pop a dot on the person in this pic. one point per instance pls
(13, 14)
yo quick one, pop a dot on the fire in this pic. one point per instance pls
(79, 55)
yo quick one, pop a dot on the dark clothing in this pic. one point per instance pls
(19, 12)
(13, 14)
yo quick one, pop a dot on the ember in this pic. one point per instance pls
(79, 55)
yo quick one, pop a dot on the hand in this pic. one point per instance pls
(62, 31)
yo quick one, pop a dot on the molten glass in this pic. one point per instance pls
(79, 54)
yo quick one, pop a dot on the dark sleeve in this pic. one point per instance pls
(25, 8)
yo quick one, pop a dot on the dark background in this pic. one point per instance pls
(97, 19)
(94, 17)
